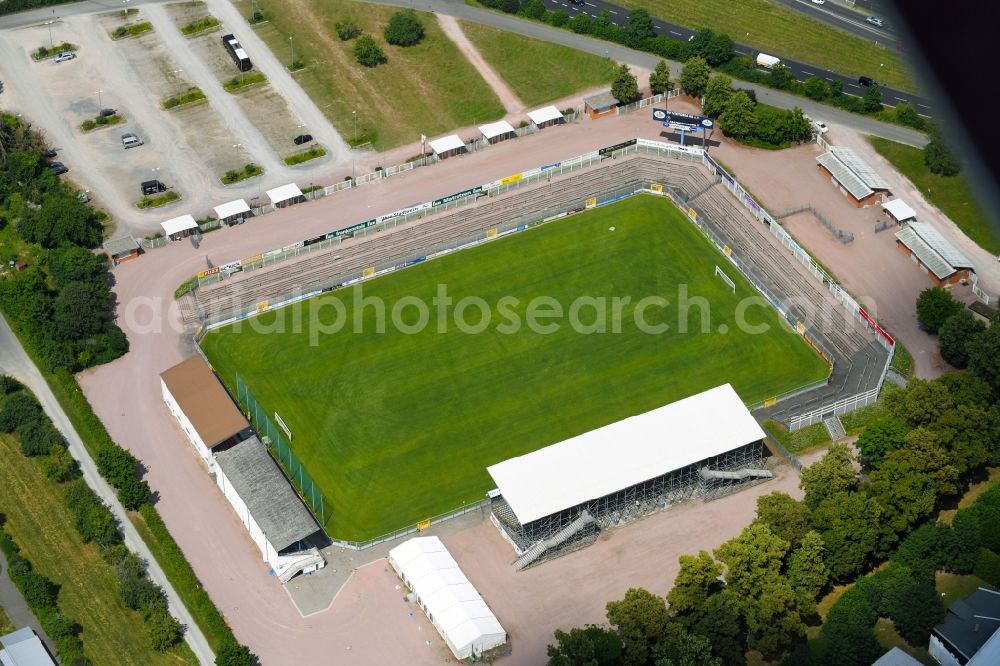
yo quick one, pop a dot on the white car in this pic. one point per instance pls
(819, 2)
(874, 20)
(820, 126)
(64, 56)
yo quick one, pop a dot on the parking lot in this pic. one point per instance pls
(189, 148)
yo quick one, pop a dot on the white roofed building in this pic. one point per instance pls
(178, 227)
(498, 131)
(284, 195)
(447, 146)
(859, 182)
(942, 262)
(707, 444)
(545, 116)
(899, 211)
(229, 211)
(450, 601)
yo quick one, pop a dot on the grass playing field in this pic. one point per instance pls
(397, 427)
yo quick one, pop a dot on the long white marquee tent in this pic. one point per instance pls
(451, 602)
(624, 453)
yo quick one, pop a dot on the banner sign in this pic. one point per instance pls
(617, 146)
(250, 260)
(313, 240)
(510, 179)
(656, 187)
(878, 329)
(591, 202)
(272, 253)
(404, 211)
(550, 166)
(231, 267)
(531, 172)
(455, 197)
(684, 119)
(351, 229)
(293, 246)
(262, 307)
(210, 271)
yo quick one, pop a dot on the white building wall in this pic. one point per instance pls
(940, 653)
(187, 427)
(268, 553)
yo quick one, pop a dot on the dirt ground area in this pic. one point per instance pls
(267, 109)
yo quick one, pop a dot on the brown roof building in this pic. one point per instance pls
(203, 407)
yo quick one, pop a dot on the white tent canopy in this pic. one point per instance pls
(451, 602)
(284, 193)
(178, 224)
(493, 130)
(622, 454)
(544, 115)
(231, 208)
(446, 144)
(899, 210)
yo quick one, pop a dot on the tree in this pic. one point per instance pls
(81, 309)
(879, 438)
(787, 518)
(625, 88)
(696, 581)
(773, 618)
(848, 633)
(738, 119)
(965, 432)
(404, 29)
(939, 158)
(752, 558)
(807, 572)
(642, 620)
(914, 609)
(346, 29)
(116, 464)
(38, 437)
(907, 114)
(639, 28)
(831, 475)
(534, 9)
(684, 649)
(59, 465)
(590, 646)
(719, 50)
(19, 408)
(934, 307)
(231, 653)
(700, 42)
(781, 76)
(164, 629)
(559, 18)
(69, 263)
(133, 493)
(922, 403)
(659, 78)
(816, 88)
(367, 52)
(852, 534)
(717, 94)
(694, 76)
(984, 355)
(62, 218)
(967, 389)
(871, 101)
(720, 623)
(798, 128)
(140, 593)
(580, 24)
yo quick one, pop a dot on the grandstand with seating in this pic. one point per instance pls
(558, 498)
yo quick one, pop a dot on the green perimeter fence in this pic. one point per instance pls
(276, 442)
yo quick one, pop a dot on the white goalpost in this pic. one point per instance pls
(283, 426)
(725, 278)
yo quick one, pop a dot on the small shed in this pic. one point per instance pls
(942, 262)
(179, 227)
(447, 146)
(232, 212)
(899, 211)
(602, 104)
(497, 132)
(124, 248)
(286, 195)
(859, 182)
(450, 601)
(548, 115)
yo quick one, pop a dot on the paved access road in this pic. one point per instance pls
(12, 603)
(14, 361)
(801, 70)
(849, 20)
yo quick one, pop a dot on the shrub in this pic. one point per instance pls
(120, 32)
(580, 24)
(816, 88)
(88, 125)
(141, 594)
(59, 465)
(906, 114)
(38, 437)
(534, 9)
(164, 630)
(934, 306)
(19, 408)
(133, 493)
(368, 53)
(234, 654)
(938, 158)
(346, 29)
(405, 29)
(510, 6)
(988, 567)
(559, 18)
(116, 464)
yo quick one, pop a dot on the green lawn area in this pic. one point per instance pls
(397, 427)
(6, 626)
(888, 638)
(427, 89)
(782, 31)
(800, 440)
(537, 71)
(953, 587)
(41, 526)
(951, 194)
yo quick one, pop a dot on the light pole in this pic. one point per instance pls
(292, 46)
(100, 105)
(125, 9)
(355, 114)
(236, 147)
(49, 24)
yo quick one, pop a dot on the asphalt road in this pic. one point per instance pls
(848, 20)
(14, 361)
(801, 71)
(16, 608)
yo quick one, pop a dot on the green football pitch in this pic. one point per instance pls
(399, 426)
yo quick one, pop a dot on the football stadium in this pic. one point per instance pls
(388, 393)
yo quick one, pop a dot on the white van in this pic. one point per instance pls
(131, 141)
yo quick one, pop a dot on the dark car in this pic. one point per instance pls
(49, 153)
(866, 81)
(302, 138)
(108, 112)
(152, 187)
(58, 167)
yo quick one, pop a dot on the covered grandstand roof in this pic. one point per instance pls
(852, 172)
(932, 249)
(446, 144)
(178, 224)
(268, 494)
(544, 114)
(284, 193)
(493, 130)
(451, 602)
(230, 208)
(204, 401)
(622, 454)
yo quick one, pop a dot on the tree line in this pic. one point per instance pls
(759, 591)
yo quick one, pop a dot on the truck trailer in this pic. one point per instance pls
(767, 61)
(237, 53)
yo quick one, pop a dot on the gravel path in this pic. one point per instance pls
(507, 96)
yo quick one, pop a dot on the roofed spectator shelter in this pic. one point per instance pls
(447, 146)
(942, 262)
(179, 227)
(232, 212)
(286, 195)
(546, 116)
(497, 132)
(857, 180)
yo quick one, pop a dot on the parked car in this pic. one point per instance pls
(49, 153)
(819, 2)
(58, 167)
(866, 81)
(152, 187)
(131, 140)
(108, 112)
(302, 138)
(820, 126)
(64, 56)
(83, 197)
(875, 21)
